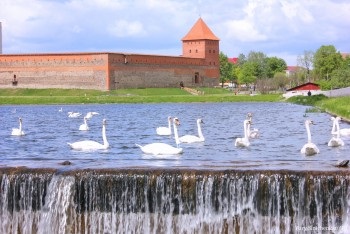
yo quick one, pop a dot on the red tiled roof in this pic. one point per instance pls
(200, 31)
(306, 86)
(233, 60)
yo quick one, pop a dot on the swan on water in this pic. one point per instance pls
(60, 110)
(343, 131)
(18, 131)
(165, 131)
(193, 138)
(163, 148)
(90, 114)
(92, 145)
(252, 133)
(84, 126)
(244, 141)
(335, 141)
(309, 148)
(73, 114)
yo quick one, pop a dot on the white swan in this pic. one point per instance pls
(309, 148)
(335, 141)
(18, 131)
(165, 131)
(252, 133)
(343, 131)
(92, 145)
(162, 148)
(90, 114)
(84, 126)
(192, 138)
(244, 141)
(73, 114)
(60, 110)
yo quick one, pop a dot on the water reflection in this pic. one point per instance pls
(281, 126)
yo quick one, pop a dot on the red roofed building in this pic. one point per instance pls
(233, 60)
(303, 90)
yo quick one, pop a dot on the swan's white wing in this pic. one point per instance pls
(335, 142)
(84, 127)
(163, 131)
(17, 132)
(159, 149)
(87, 145)
(190, 139)
(309, 149)
(242, 142)
(345, 132)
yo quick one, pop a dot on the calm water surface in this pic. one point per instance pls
(281, 126)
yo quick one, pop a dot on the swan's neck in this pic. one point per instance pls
(20, 125)
(104, 137)
(85, 121)
(338, 129)
(200, 134)
(333, 127)
(176, 135)
(169, 124)
(248, 129)
(245, 130)
(308, 132)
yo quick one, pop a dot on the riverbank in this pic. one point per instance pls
(148, 95)
(339, 106)
(336, 106)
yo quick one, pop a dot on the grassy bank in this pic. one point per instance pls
(339, 106)
(149, 95)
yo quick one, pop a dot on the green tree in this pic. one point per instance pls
(280, 80)
(275, 65)
(326, 60)
(247, 74)
(306, 61)
(226, 69)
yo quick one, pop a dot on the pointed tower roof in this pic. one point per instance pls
(200, 31)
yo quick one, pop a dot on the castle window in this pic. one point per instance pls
(196, 51)
(190, 51)
(209, 51)
(214, 51)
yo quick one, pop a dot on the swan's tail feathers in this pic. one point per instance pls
(70, 144)
(138, 145)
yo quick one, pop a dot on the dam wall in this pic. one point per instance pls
(173, 201)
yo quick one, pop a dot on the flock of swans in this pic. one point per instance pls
(159, 148)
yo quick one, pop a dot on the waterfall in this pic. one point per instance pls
(173, 201)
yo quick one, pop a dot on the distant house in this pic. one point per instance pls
(233, 60)
(303, 90)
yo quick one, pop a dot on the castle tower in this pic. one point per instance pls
(200, 42)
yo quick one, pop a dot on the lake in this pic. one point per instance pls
(281, 127)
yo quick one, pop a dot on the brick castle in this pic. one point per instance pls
(198, 66)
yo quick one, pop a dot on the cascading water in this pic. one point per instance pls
(179, 201)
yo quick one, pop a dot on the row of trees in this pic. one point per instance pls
(264, 73)
(326, 67)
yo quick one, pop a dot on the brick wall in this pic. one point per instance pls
(103, 71)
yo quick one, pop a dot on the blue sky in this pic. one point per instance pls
(282, 28)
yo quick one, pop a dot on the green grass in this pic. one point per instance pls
(147, 95)
(337, 106)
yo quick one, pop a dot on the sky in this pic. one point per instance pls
(281, 28)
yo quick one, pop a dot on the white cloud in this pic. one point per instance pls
(283, 27)
(124, 28)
